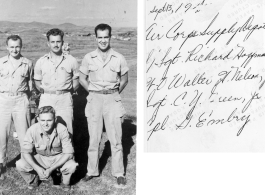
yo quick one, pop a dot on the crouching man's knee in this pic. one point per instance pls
(69, 167)
(22, 165)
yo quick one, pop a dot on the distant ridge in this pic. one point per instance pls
(7, 27)
(23, 24)
(67, 25)
(16, 25)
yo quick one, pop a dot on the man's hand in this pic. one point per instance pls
(65, 170)
(41, 173)
(122, 119)
(34, 95)
(123, 82)
(83, 80)
(48, 173)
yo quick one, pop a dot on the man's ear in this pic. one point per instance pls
(38, 118)
(55, 119)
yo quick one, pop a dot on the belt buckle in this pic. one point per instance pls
(105, 92)
(57, 92)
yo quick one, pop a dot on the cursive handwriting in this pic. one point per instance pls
(158, 127)
(202, 72)
(189, 116)
(157, 106)
(174, 33)
(203, 120)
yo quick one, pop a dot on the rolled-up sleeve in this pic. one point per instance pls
(124, 66)
(84, 66)
(27, 145)
(37, 71)
(67, 146)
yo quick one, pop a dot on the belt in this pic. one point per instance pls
(57, 92)
(110, 91)
(13, 93)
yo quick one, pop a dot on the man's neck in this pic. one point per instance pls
(15, 61)
(56, 55)
(48, 133)
(15, 58)
(104, 53)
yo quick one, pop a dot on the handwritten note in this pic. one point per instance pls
(205, 75)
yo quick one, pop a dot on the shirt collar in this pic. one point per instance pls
(48, 55)
(23, 61)
(96, 53)
(41, 132)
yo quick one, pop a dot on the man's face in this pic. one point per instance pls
(46, 121)
(55, 43)
(14, 48)
(103, 40)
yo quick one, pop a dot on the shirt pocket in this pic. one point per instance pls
(47, 72)
(92, 68)
(115, 67)
(114, 71)
(56, 147)
(40, 148)
(4, 77)
(25, 71)
(65, 73)
(4, 72)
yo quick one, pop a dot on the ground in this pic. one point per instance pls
(34, 46)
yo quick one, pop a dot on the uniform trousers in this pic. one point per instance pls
(28, 174)
(63, 105)
(107, 107)
(12, 109)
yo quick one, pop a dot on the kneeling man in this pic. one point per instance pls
(54, 150)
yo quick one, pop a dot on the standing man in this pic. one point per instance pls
(104, 74)
(54, 151)
(56, 77)
(15, 77)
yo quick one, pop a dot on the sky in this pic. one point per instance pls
(118, 13)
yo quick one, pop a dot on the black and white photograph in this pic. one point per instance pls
(68, 75)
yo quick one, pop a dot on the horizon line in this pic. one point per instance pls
(67, 23)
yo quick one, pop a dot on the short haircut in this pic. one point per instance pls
(45, 109)
(54, 32)
(103, 27)
(14, 38)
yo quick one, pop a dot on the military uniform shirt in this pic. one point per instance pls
(58, 142)
(104, 75)
(15, 79)
(56, 77)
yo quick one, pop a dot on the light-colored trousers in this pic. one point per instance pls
(27, 173)
(109, 108)
(16, 109)
(63, 105)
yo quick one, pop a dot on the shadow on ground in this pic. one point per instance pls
(81, 138)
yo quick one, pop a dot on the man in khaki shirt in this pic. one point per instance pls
(104, 74)
(54, 149)
(15, 78)
(56, 77)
